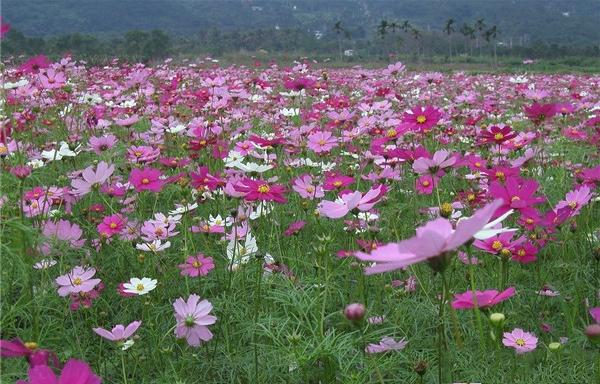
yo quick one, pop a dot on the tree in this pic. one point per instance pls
(449, 29)
(382, 32)
(491, 34)
(338, 29)
(479, 26)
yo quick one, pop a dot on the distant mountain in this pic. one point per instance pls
(571, 22)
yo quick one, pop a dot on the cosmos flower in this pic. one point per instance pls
(520, 340)
(92, 179)
(119, 333)
(193, 319)
(386, 344)
(261, 190)
(140, 286)
(485, 299)
(76, 281)
(432, 240)
(322, 141)
(198, 265)
(74, 371)
(421, 119)
(147, 179)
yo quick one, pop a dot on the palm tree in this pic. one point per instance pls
(491, 34)
(448, 29)
(479, 26)
(339, 30)
(382, 31)
(416, 35)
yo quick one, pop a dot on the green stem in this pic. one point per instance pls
(475, 303)
(441, 331)
(123, 367)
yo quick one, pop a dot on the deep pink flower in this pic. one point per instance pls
(485, 299)
(335, 180)
(261, 190)
(111, 225)
(496, 134)
(202, 179)
(34, 64)
(4, 28)
(432, 240)
(501, 244)
(421, 119)
(147, 179)
(193, 319)
(294, 228)
(78, 280)
(517, 194)
(538, 113)
(425, 184)
(30, 351)
(198, 265)
(74, 372)
(595, 313)
(524, 252)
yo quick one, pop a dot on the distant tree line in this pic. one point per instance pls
(389, 38)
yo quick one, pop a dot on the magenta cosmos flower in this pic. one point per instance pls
(198, 265)
(147, 179)
(433, 239)
(485, 299)
(76, 281)
(253, 190)
(421, 119)
(30, 351)
(518, 194)
(119, 332)
(520, 340)
(111, 225)
(92, 179)
(74, 372)
(193, 319)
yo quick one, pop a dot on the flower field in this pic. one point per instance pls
(184, 223)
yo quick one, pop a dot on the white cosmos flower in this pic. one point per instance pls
(64, 151)
(489, 230)
(127, 344)
(262, 209)
(179, 209)
(251, 167)
(17, 84)
(35, 164)
(155, 246)
(140, 286)
(44, 264)
(176, 129)
(218, 220)
(233, 158)
(241, 253)
(290, 112)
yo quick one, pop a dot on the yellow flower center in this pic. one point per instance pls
(496, 245)
(3, 150)
(500, 175)
(573, 204)
(196, 264)
(391, 132)
(425, 183)
(112, 225)
(264, 188)
(505, 252)
(145, 180)
(521, 252)
(529, 221)
(322, 142)
(337, 183)
(421, 119)
(520, 342)
(310, 189)
(471, 197)
(137, 153)
(515, 198)
(139, 287)
(498, 136)
(31, 345)
(477, 164)
(77, 281)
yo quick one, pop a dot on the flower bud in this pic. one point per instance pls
(420, 368)
(354, 312)
(497, 318)
(554, 346)
(592, 331)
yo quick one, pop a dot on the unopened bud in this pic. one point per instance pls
(497, 318)
(354, 312)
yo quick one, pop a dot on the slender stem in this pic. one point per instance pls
(123, 367)
(441, 331)
(475, 303)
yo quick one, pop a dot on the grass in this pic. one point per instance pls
(277, 329)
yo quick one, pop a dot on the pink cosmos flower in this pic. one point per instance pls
(147, 179)
(198, 265)
(595, 313)
(76, 281)
(501, 244)
(335, 180)
(436, 165)
(92, 179)
(52, 79)
(142, 154)
(119, 332)
(111, 225)
(322, 141)
(102, 144)
(306, 189)
(425, 184)
(30, 351)
(351, 200)
(538, 113)
(575, 200)
(485, 299)
(261, 190)
(34, 64)
(386, 344)
(421, 119)
(294, 228)
(433, 239)
(4, 28)
(496, 134)
(193, 319)
(61, 230)
(74, 372)
(202, 179)
(521, 341)
(524, 253)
